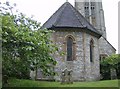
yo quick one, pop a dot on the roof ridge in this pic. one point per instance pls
(109, 43)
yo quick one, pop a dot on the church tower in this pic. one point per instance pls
(92, 10)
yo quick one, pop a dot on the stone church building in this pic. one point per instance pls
(79, 32)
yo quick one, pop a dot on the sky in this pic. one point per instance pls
(43, 9)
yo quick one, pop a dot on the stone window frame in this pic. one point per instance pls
(91, 47)
(74, 46)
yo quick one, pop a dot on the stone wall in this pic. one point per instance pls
(105, 47)
(92, 68)
(83, 69)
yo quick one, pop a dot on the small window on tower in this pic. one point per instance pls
(92, 8)
(86, 8)
(86, 11)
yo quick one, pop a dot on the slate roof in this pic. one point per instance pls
(68, 17)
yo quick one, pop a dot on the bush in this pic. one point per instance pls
(111, 62)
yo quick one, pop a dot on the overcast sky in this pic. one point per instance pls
(43, 9)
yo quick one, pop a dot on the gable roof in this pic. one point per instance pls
(109, 43)
(68, 17)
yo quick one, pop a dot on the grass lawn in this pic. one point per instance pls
(32, 83)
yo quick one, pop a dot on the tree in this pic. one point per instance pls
(111, 62)
(25, 45)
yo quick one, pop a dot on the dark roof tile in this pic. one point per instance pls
(68, 16)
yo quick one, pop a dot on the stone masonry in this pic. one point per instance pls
(83, 69)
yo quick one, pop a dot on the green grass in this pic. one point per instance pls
(31, 83)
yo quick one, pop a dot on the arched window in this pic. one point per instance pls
(69, 49)
(91, 50)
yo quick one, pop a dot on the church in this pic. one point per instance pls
(79, 32)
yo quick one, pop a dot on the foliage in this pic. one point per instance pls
(25, 45)
(111, 62)
(30, 83)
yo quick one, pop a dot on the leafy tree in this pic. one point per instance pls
(25, 45)
(111, 62)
